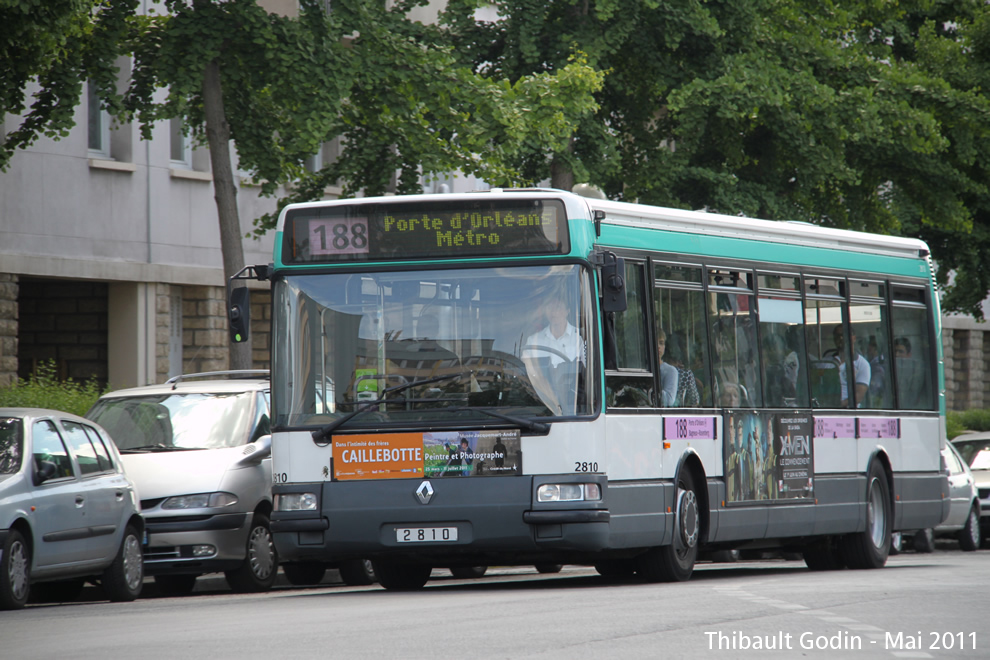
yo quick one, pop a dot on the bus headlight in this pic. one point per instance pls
(569, 493)
(295, 502)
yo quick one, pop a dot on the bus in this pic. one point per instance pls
(530, 376)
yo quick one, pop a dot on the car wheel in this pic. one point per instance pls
(548, 568)
(924, 540)
(357, 572)
(62, 591)
(260, 567)
(970, 535)
(304, 573)
(869, 548)
(725, 556)
(123, 579)
(175, 585)
(468, 572)
(15, 572)
(396, 576)
(675, 562)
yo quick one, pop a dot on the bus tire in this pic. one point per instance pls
(304, 573)
(675, 562)
(357, 572)
(823, 555)
(396, 576)
(969, 536)
(870, 548)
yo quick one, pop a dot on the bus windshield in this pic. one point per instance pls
(515, 341)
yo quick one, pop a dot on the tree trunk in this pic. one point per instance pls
(561, 176)
(218, 138)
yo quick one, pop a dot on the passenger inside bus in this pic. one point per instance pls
(668, 373)
(861, 369)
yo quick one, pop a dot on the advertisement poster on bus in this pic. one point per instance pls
(768, 456)
(471, 453)
(431, 454)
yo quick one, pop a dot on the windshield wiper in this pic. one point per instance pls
(154, 448)
(528, 424)
(321, 434)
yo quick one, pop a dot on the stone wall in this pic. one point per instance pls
(204, 329)
(8, 329)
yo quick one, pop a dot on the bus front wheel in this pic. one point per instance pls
(675, 562)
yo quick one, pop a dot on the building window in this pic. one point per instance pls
(98, 123)
(179, 152)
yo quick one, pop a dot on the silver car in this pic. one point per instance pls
(198, 447)
(68, 512)
(974, 448)
(963, 521)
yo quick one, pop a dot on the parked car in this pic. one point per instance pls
(974, 448)
(963, 521)
(68, 512)
(198, 448)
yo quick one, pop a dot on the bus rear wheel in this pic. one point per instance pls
(396, 576)
(675, 562)
(870, 548)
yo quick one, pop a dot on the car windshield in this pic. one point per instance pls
(176, 421)
(11, 444)
(976, 453)
(437, 345)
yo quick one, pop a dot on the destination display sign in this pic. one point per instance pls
(424, 230)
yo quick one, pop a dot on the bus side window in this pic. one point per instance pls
(912, 347)
(633, 386)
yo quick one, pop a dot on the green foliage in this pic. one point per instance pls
(976, 419)
(868, 115)
(53, 47)
(44, 390)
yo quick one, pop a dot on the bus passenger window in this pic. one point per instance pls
(627, 333)
(680, 315)
(911, 365)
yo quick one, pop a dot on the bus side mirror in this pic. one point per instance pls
(239, 314)
(613, 284)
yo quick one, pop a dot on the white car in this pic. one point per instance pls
(198, 447)
(963, 521)
(68, 512)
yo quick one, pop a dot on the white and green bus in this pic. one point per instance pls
(533, 377)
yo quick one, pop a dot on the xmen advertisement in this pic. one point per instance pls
(768, 456)
(471, 453)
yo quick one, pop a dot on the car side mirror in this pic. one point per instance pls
(46, 470)
(256, 451)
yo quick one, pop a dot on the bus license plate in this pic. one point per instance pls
(425, 534)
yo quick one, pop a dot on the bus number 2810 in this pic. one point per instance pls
(586, 466)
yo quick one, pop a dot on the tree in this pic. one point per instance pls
(54, 46)
(278, 87)
(783, 109)
(413, 109)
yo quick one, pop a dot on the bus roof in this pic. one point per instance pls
(677, 220)
(789, 232)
